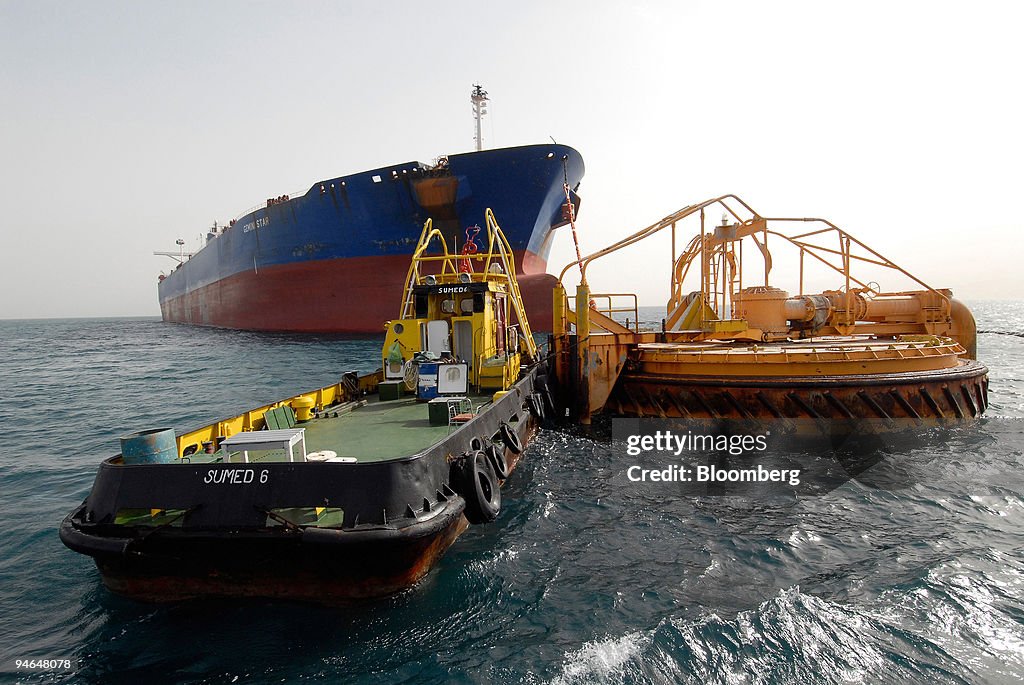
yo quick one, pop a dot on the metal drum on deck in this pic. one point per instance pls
(155, 446)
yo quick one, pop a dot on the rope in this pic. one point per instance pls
(572, 217)
(1019, 335)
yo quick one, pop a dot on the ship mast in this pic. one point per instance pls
(479, 99)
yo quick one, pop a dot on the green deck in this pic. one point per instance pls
(378, 431)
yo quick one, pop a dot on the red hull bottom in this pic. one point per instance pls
(353, 295)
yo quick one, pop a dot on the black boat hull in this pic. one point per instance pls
(399, 518)
(318, 565)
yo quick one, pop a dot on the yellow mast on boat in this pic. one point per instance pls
(463, 301)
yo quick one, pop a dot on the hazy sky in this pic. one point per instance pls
(129, 124)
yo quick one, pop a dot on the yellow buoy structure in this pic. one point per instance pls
(733, 345)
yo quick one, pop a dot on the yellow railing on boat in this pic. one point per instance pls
(254, 420)
(455, 266)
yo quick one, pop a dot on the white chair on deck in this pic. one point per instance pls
(460, 411)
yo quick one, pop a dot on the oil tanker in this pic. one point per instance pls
(334, 259)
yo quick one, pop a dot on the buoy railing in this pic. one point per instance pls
(718, 251)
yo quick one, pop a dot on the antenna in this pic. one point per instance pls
(479, 99)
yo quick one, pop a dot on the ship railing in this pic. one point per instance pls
(669, 221)
(847, 257)
(609, 305)
(190, 441)
(850, 252)
(263, 205)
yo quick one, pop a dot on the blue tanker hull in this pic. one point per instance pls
(335, 259)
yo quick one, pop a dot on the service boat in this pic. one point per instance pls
(347, 492)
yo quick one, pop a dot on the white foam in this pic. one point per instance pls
(601, 661)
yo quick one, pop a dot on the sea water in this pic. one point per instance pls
(586, 577)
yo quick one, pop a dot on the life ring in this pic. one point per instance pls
(510, 438)
(478, 485)
(496, 455)
(411, 375)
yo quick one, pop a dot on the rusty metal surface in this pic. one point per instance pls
(960, 393)
(325, 576)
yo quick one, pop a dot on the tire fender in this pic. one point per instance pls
(478, 484)
(510, 437)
